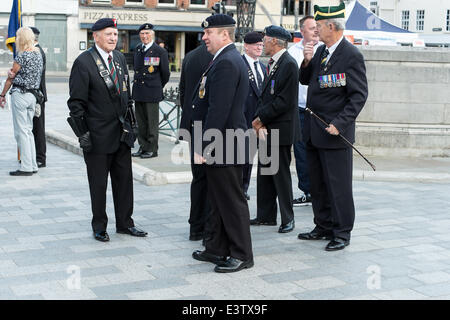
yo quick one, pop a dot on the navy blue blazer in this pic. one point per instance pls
(253, 93)
(222, 106)
(278, 104)
(148, 86)
(337, 105)
(90, 99)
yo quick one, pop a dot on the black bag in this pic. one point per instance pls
(38, 95)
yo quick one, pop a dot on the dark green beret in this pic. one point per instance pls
(322, 13)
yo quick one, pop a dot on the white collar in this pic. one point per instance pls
(104, 54)
(278, 55)
(334, 46)
(250, 59)
(220, 50)
(147, 46)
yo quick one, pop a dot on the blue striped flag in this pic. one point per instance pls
(15, 22)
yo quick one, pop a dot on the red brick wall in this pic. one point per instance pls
(151, 3)
(117, 3)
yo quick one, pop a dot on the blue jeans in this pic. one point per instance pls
(22, 107)
(300, 159)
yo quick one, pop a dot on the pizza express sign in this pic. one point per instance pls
(123, 17)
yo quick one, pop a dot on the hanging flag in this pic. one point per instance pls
(15, 22)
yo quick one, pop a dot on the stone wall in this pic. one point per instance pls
(408, 108)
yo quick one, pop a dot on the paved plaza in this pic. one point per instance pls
(400, 246)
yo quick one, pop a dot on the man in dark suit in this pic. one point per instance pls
(277, 113)
(337, 92)
(98, 109)
(253, 46)
(194, 64)
(151, 73)
(218, 107)
(39, 122)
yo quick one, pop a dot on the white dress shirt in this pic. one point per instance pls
(251, 62)
(104, 55)
(276, 57)
(333, 48)
(147, 46)
(296, 51)
(220, 50)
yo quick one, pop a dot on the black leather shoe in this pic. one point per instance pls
(288, 227)
(256, 222)
(21, 173)
(101, 236)
(207, 257)
(138, 153)
(315, 235)
(133, 231)
(41, 164)
(233, 265)
(246, 196)
(337, 244)
(148, 155)
(195, 236)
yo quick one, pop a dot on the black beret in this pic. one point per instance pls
(218, 21)
(104, 23)
(277, 32)
(253, 37)
(145, 26)
(35, 30)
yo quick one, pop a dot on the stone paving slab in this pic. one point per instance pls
(400, 247)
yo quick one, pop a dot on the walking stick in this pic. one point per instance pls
(342, 137)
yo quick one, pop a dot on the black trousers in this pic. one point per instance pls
(277, 185)
(39, 136)
(230, 217)
(118, 166)
(200, 209)
(330, 173)
(247, 175)
(147, 117)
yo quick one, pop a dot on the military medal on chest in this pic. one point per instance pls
(202, 89)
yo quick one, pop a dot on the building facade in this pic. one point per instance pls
(57, 21)
(430, 19)
(65, 25)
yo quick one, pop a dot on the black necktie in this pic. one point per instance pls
(258, 75)
(323, 58)
(271, 61)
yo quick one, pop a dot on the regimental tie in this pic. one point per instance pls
(323, 58)
(258, 75)
(113, 73)
(271, 61)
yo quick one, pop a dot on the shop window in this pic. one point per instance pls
(134, 2)
(304, 8)
(166, 3)
(198, 3)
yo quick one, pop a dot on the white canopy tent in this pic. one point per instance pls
(366, 28)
